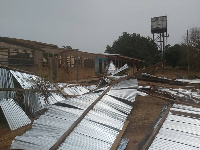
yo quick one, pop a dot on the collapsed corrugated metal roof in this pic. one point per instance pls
(181, 129)
(100, 126)
(185, 94)
(14, 115)
(97, 130)
(106, 118)
(33, 101)
(181, 126)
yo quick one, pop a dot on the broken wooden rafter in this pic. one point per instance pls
(154, 133)
(117, 140)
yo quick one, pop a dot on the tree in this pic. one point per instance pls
(67, 47)
(193, 48)
(134, 45)
(175, 56)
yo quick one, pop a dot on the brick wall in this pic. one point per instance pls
(70, 74)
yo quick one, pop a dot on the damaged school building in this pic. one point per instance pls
(58, 64)
(65, 115)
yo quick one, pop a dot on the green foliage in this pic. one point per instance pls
(176, 56)
(46, 55)
(41, 84)
(134, 45)
(67, 47)
(191, 44)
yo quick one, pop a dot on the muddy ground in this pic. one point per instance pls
(143, 115)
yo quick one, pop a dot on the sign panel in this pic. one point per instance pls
(159, 24)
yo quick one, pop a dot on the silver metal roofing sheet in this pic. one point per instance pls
(15, 116)
(72, 89)
(35, 101)
(179, 131)
(6, 81)
(78, 141)
(112, 102)
(28, 81)
(75, 90)
(47, 129)
(81, 102)
(185, 107)
(188, 94)
(103, 130)
(58, 119)
(126, 94)
(98, 129)
(123, 143)
(126, 84)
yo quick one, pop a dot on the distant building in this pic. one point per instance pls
(58, 64)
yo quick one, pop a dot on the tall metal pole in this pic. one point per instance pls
(153, 37)
(188, 54)
(161, 44)
(77, 57)
(163, 51)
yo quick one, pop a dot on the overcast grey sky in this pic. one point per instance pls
(91, 25)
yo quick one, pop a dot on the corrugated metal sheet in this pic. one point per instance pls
(81, 102)
(126, 90)
(28, 81)
(78, 141)
(35, 101)
(73, 89)
(13, 113)
(15, 116)
(47, 129)
(112, 102)
(126, 84)
(126, 94)
(6, 81)
(181, 130)
(111, 68)
(187, 95)
(98, 129)
(123, 143)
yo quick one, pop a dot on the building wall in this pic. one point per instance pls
(72, 75)
(54, 63)
(38, 58)
(75, 65)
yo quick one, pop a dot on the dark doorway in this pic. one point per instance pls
(100, 66)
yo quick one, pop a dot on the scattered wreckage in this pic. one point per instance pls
(94, 117)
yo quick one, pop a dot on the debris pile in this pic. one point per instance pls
(97, 130)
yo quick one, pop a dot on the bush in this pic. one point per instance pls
(180, 68)
(169, 68)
